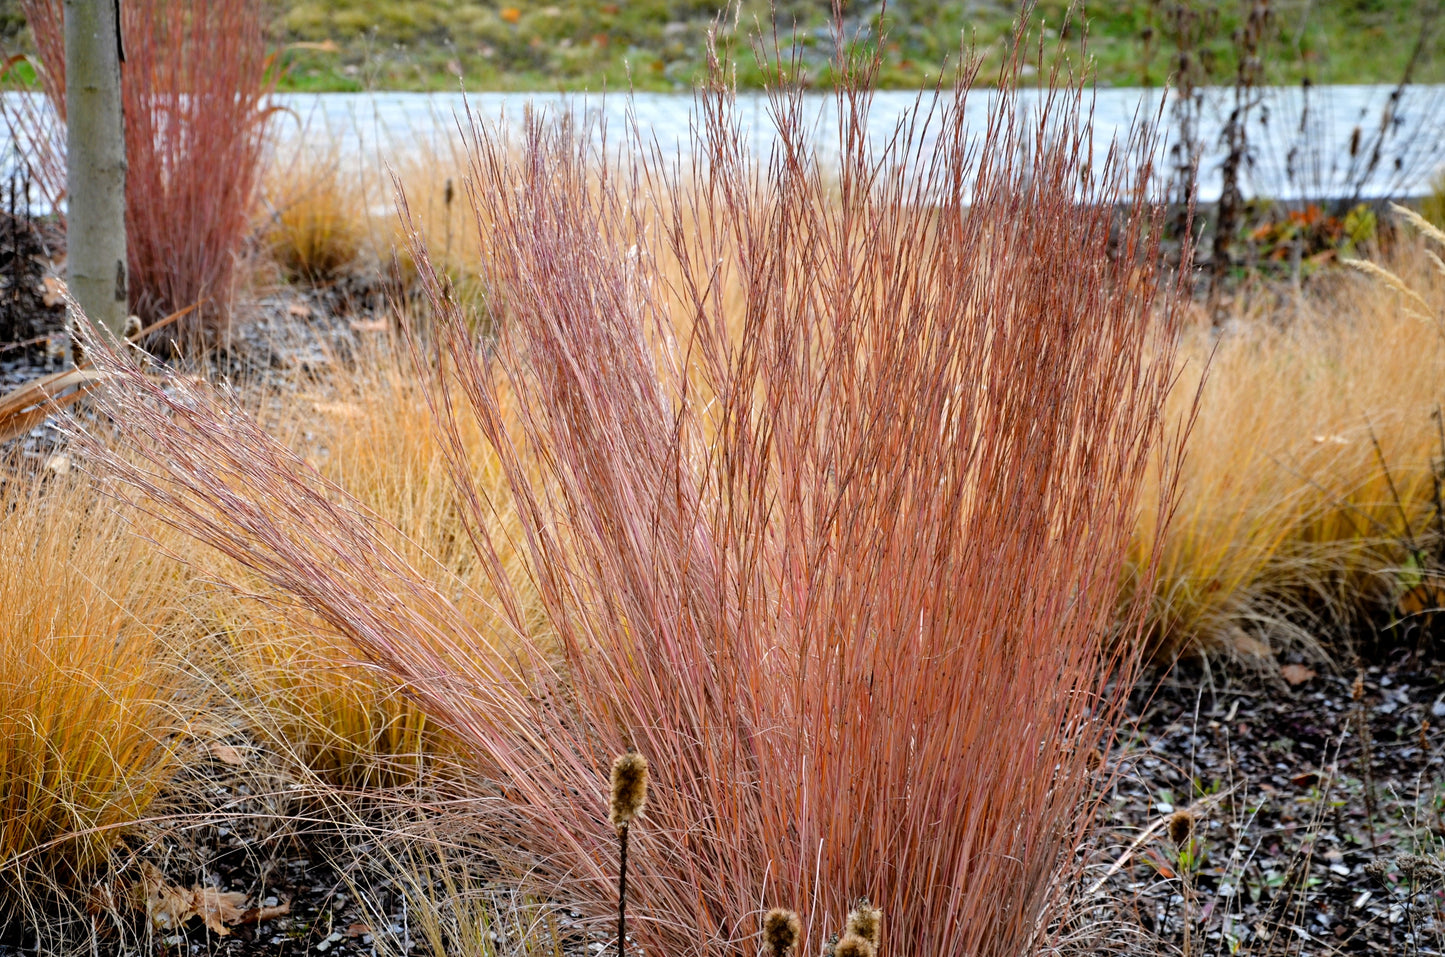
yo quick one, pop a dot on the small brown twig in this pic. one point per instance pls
(1367, 772)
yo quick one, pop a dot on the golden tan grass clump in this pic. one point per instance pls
(88, 694)
(316, 222)
(1308, 474)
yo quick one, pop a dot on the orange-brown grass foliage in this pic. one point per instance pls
(842, 564)
(87, 691)
(1308, 477)
(326, 212)
(194, 88)
(315, 220)
(302, 690)
(365, 429)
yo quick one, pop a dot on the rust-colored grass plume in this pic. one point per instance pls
(194, 87)
(825, 476)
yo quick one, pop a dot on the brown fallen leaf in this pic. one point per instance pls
(369, 325)
(1296, 674)
(226, 754)
(171, 907)
(52, 292)
(299, 310)
(1306, 780)
(217, 909)
(254, 915)
(358, 930)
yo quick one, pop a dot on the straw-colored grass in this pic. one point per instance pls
(1308, 477)
(88, 694)
(314, 228)
(365, 431)
(326, 213)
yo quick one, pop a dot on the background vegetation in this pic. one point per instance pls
(659, 44)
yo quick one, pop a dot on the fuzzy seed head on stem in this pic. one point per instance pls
(629, 789)
(865, 921)
(854, 946)
(781, 930)
(1181, 827)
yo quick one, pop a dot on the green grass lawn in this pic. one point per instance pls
(659, 44)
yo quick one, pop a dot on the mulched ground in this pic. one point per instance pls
(1311, 837)
(32, 319)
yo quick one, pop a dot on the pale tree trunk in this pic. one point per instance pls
(95, 162)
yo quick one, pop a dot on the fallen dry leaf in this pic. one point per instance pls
(167, 906)
(299, 310)
(52, 292)
(253, 915)
(1296, 674)
(217, 909)
(226, 754)
(171, 907)
(369, 325)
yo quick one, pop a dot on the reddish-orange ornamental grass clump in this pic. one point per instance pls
(825, 464)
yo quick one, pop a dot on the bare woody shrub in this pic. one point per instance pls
(194, 84)
(825, 476)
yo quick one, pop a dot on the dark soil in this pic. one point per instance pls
(1310, 837)
(32, 319)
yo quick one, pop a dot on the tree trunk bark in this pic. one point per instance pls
(95, 162)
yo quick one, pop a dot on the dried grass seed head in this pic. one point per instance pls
(865, 921)
(854, 946)
(781, 931)
(629, 788)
